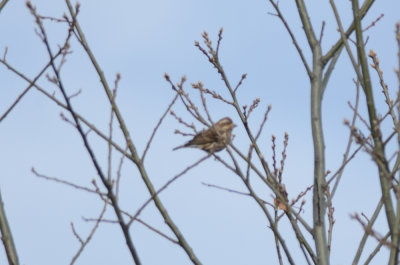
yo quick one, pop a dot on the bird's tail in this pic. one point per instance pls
(178, 147)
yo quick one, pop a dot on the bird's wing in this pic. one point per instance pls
(204, 137)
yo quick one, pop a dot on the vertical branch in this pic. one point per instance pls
(379, 149)
(319, 202)
(317, 88)
(331, 209)
(7, 237)
(307, 26)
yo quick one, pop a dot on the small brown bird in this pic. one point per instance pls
(214, 139)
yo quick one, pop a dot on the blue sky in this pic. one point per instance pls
(142, 40)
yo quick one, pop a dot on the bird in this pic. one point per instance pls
(213, 139)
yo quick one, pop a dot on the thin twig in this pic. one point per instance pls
(64, 182)
(31, 83)
(291, 34)
(240, 82)
(169, 182)
(373, 23)
(118, 179)
(263, 122)
(372, 232)
(158, 126)
(321, 33)
(349, 143)
(89, 237)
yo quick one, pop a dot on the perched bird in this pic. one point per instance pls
(214, 139)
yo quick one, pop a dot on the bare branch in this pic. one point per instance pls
(85, 242)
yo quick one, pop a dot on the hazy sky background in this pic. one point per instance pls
(142, 40)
